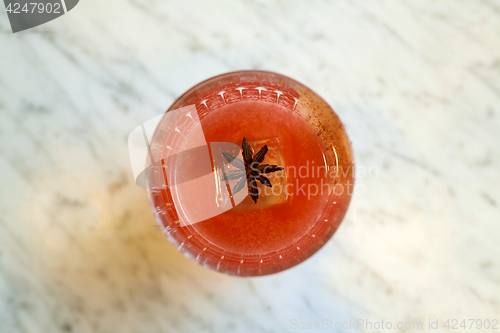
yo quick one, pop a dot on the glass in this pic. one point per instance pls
(200, 210)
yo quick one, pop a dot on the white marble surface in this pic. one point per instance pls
(417, 84)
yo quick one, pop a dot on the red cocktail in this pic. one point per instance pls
(205, 203)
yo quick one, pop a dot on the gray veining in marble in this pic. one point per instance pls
(417, 84)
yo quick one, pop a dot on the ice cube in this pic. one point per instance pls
(268, 195)
(241, 200)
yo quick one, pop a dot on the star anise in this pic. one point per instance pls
(252, 168)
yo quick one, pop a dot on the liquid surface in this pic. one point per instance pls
(271, 224)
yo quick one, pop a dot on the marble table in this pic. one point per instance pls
(417, 84)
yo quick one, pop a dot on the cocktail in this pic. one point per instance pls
(250, 173)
